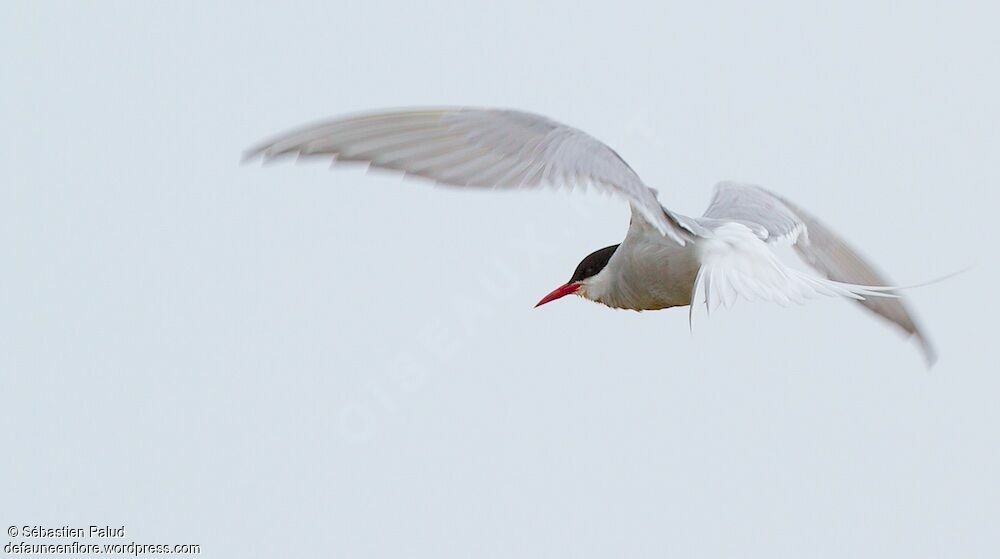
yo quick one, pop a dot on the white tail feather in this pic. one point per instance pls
(736, 264)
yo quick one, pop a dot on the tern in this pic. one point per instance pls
(666, 259)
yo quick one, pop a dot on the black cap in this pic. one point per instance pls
(593, 263)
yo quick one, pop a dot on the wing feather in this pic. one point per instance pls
(478, 148)
(773, 219)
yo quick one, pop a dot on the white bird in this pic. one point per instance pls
(666, 259)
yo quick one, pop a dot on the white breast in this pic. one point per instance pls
(647, 272)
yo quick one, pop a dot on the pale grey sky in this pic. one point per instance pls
(288, 361)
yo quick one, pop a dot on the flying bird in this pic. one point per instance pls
(666, 259)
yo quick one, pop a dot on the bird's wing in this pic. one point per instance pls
(765, 214)
(477, 148)
(738, 266)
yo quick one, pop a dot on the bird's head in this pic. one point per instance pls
(588, 268)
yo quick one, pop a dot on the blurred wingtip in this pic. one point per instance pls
(254, 153)
(927, 348)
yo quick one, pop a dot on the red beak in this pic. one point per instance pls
(561, 291)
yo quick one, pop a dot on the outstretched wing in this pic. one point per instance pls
(477, 148)
(773, 219)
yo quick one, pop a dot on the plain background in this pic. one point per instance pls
(289, 361)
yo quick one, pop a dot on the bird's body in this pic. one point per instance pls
(646, 272)
(666, 259)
